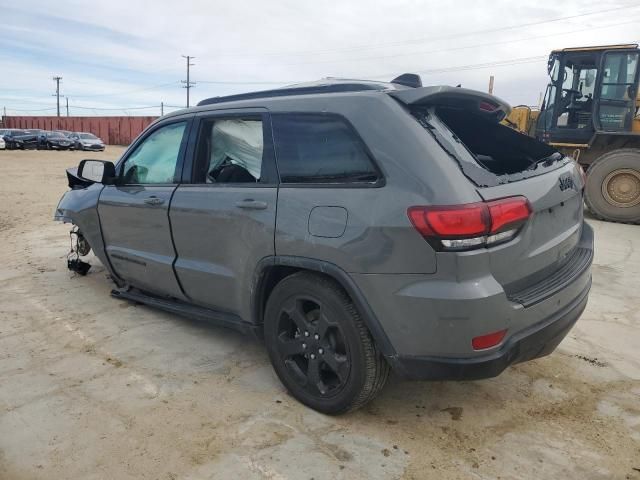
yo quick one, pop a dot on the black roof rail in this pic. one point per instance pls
(327, 86)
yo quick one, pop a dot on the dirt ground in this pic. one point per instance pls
(97, 388)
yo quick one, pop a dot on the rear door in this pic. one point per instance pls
(223, 214)
(134, 213)
(617, 90)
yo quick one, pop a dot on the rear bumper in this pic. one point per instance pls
(430, 320)
(533, 342)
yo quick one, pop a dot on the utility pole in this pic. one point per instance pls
(161, 109)
(491, 84)
(67, 99)
(57, 94)
(188, 84)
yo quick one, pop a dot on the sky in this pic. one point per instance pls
(122, 57)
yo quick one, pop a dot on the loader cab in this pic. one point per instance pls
(591, 90)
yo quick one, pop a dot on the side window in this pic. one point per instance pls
(619, 75)
(320, 148)
(155, 159)
(230, 150)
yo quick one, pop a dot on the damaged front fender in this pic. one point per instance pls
(79, 206)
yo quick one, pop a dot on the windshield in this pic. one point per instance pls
(55, 135)
(88, 136)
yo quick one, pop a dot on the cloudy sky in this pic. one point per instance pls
(124, 57)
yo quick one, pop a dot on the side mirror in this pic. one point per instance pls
(97, 171)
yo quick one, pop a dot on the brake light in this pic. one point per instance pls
(508, 212)
(487, 106)
(473, 225)
(453, 221)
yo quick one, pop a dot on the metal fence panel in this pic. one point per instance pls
(112, 130)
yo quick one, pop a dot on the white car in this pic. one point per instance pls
(2, 144)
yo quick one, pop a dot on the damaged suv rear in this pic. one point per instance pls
(356, 226)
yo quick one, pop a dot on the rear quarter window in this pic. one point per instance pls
(320, 149)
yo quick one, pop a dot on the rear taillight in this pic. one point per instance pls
(473, 225)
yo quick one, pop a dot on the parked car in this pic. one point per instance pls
(2, 144)
(3, 132)
(87, 141)
(356, 226)
(21, 139)
(55, 141)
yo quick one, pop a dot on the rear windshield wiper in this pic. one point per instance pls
(546, 161)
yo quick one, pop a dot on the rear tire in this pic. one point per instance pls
(319, 345)
(613, 186)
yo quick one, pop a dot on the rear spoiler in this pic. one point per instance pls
(443, 95)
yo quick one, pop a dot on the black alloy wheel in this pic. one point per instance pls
(312, 346)
(319, 345)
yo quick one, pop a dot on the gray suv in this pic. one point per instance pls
(358, 227)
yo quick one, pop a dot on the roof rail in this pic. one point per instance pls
(326, 86)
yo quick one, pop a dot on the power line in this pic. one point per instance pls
(188, 84)
(31, 110)
(126, 92)
(425, 39)
(114, 108)
(266, 82)
(475, 66)
(451, 49)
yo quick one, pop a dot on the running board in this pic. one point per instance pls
(214, 317)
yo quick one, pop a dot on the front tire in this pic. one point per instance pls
(319, 345)
(613, 186)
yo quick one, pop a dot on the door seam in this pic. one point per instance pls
(173, 244)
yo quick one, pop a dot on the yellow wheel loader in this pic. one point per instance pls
(591, 111)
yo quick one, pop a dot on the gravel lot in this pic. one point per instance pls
(92, 387)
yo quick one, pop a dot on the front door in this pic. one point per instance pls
(223, 214)
(618, 88)
(134, 213)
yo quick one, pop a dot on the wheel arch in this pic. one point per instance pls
(271, 270)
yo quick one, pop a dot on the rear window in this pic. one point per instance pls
(320, 148)
(495, 148)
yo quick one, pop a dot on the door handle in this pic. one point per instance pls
(153, 200)
(251, 204)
